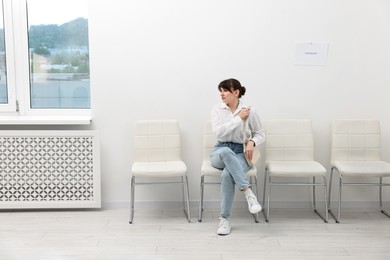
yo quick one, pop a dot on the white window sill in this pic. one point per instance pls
(45, 120)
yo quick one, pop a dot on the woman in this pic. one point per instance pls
(228, 120)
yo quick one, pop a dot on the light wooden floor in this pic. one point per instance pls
(165, 234)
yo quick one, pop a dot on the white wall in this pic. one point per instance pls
(154, 59)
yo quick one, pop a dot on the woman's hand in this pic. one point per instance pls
(249, 149)
(244, 112)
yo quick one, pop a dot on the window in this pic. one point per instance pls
(44, 58)
(3, 70)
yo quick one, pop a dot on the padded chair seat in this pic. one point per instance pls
(295, 168)
(159, 169)
(208, 170)
(363, 168)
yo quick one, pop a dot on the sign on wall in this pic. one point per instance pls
(311, 54)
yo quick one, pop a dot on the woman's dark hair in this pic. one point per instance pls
(231, 85)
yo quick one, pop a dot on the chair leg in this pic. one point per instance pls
(337, 219)
(324, 218)
(268, 198)
(255, 216)
(339, 209)
(201, 199)
(132, 192)
(186, 207)
(325, 200)
(314, 194)
(380, 198)
(265, 185)
(183, 192)
(330, 187)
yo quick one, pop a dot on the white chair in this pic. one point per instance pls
(356, 153)
(158, 156)
(207, 170)
(289, 155)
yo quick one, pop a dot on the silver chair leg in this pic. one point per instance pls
(268, 198)
(201, 199)
(132, 192)
(255, 216)
(314, 194)
(324, 218)
(339, 205)
(336, 218)
(380, 198)
(330, 187)
(183, 192)
(186, 209)
(264, 189)
(325, 201)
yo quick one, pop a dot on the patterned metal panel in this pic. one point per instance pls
(49, 169)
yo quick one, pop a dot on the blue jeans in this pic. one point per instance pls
(229, 158)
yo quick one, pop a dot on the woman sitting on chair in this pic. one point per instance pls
(228, 120)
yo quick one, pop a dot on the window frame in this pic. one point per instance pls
(18, 74)
(10, 61)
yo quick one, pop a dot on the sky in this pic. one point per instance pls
(56, 11)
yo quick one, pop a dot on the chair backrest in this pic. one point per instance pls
(289, 140)
(356, 140)
(209, 140)
(157, 141)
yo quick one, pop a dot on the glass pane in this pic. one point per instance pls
(59, 54)
(3, 69)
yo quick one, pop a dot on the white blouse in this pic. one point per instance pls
(228, 126)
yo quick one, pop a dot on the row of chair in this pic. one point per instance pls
(289, 155)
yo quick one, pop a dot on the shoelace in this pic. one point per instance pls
(252, 200)
(223, 222)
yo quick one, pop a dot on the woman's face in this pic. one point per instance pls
(227, 96)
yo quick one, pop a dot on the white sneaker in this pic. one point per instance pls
(224, 227)
(253, 206)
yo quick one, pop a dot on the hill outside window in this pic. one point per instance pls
(44, 58)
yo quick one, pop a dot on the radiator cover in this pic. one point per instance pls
(49, 169)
